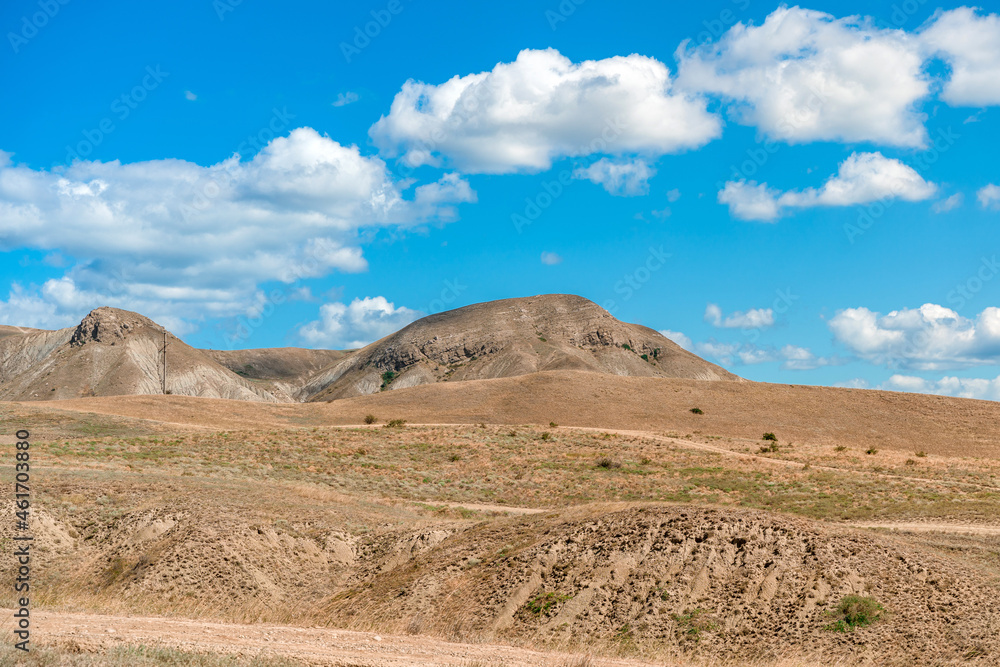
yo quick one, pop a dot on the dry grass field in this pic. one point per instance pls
(572, 538)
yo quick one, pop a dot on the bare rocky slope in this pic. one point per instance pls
(116, 352)
(111, 352)
(509, 338)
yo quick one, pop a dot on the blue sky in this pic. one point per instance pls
(804, 194)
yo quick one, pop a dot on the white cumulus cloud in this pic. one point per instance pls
(356, 324)
(970, 43)
(989, 196)
(805, 75)
(678, 337)
(174, 237)
(523, 115)
(755, 318)
(625, 178)
(861, 178)
(931, 337)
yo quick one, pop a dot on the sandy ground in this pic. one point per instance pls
(315, 646)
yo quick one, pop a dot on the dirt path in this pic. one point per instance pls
(314, 646)
(960, 529)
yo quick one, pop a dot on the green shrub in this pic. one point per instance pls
(840, 448)
(395, 423)
(626, 346)
(697, 411)
(370, 419)
(543, 603)
(387, 378)
(871, 450)
(553, 425)
(546, 436)
(855, 611)
(645, 357)
(608, 463)
(769, 436)
(922, 453)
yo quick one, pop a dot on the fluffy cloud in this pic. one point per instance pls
(947, 386)
(982, 388)
(755, 318)
(989, 196)
(804, 75)
(520, 116)
(949, 204)
(203, 238)
(357, 324)
(624, 178)
(677, 337)
(551, 259)
(791, 357)
(343, 99)
(862, 178)
(931, 337)
(970, 44)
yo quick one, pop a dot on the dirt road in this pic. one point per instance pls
(314, 646)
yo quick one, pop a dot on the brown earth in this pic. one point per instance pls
(111, 352)
(509, 338)
(114, 352)
(819, 415)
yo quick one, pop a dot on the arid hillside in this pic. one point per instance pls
(111, 352)
(510, 338)
(116, 352)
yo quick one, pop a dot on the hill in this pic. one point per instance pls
(111, 352)
(508, 338)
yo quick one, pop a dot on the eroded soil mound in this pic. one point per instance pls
(728, 583)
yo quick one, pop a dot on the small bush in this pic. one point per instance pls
(769, 436)
(697, 411)
(871, 450)
(454, 457)
(644, 357)
(646, 460)
(855, 611)
(768, 449)
(840, 448)
(608, 463)
(387, 378)
(922, 454)
(911, 462)
(553, 425)
(543, 603)
(370, 419)
(395, 423)
(626, 346)
(546, 436)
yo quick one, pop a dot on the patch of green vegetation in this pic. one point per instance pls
(855, 611)
(769, 436)
(395, 423)
(544, 603)
(387, 379)
(370, 419)
(693, 622)
(697, 411)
